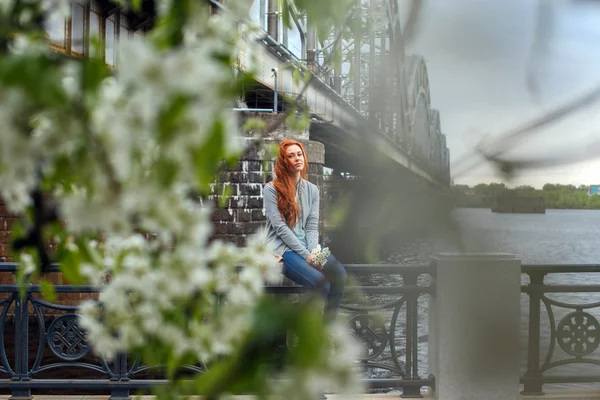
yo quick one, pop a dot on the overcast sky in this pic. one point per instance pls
(477, 52)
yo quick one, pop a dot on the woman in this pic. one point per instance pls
(292, 210)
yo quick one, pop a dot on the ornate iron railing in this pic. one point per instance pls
(49, 351)
(563, 327)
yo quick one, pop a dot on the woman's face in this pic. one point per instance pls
(295, 157)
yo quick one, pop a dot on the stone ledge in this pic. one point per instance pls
(586, 394)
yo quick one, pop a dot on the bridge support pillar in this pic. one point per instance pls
(474, 327)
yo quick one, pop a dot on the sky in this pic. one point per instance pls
(477, 54)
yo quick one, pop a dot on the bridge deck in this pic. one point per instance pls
(323, 101)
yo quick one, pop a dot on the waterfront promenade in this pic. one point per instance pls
(471, 348)
(550, 395)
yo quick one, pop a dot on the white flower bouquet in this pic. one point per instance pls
(319, 255)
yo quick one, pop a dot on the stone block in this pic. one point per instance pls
(236, 202)
(238, 177)
(255, 202)
(256, 177)
(226, 215)
(258, 215)
(251, 189)
(221, 228)
(243, 215)
(240, 240)
(235, 228)
(255, 166)
(251, 227)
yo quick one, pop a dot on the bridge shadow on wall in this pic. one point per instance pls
(373, 203)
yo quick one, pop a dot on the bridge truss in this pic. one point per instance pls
(376, 80)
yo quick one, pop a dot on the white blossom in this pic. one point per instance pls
(27, 263)
(121, 171)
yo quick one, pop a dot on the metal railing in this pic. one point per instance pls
(563, 327)
(264, 98)
(49, 351)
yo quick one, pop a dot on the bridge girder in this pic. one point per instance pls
(376, 78)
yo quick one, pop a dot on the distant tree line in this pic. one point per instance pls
(556, 195)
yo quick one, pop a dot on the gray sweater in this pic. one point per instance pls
(279, 236)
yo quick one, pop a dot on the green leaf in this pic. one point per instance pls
(166, 171)
(245, 370)
(338, 212)
(168, 32)
(255, 126)
(224, 196)
(285, 13)
(206, 157)
(94, 71)
(38, 76)
(296, 77)
(169, 119)
(70, 263)
(48, 291)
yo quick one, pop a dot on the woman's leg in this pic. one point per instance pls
(298, 270)
(331, 281)
(336, 275)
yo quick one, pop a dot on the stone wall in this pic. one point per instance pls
(243, 212)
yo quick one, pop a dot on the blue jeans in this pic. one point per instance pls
(330, 282)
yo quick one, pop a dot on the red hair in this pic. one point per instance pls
(286, 189)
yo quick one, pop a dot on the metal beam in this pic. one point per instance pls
(311, 47)
(357, 66)
(372, 83)
(337, 78)
(273, 20)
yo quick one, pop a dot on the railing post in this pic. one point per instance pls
(119, 391)
(21, 348)
(532, 382)
(475, 327)
(412, 340)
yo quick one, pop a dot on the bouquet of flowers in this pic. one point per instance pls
(319, 255)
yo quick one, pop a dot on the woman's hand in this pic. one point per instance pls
(309, 260)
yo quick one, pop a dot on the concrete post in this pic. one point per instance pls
(474, 327)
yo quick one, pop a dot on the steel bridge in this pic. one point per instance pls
(377, 87)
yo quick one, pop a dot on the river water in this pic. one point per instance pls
(557, 237)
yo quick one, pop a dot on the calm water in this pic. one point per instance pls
(557, 237)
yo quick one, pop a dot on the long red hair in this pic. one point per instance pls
(286, 189)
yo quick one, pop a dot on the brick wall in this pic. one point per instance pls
(6, 221)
